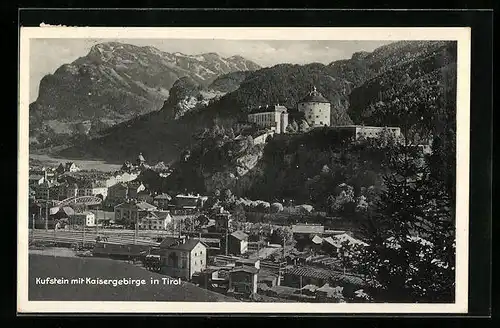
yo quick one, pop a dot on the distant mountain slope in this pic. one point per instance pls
(352, 86)
(415, 93)
(115, 82)
(229, 82)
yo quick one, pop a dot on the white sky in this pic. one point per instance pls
(46, 55)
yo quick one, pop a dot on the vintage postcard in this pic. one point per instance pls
(243, 170)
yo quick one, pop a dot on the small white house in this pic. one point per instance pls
(84, 218)
(157, 220)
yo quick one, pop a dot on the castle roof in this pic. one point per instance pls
(314, 96)
(268, 109)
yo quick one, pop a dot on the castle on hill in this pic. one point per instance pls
(317, 113)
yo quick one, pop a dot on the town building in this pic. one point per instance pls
(86, 219)
(144, 196)
(301, 276)
(307, 230)
(162, 201)
(357, 132)
(124, 191)
(222, 221)
(305, 233)
(36, 180)
(184, 258)
(119, 177)
(190, 201)
(47, 190)
(239, 262)
(156, 220)
(243, 280)
(268, 278)
(67, 167)
(316, 109)
(238, 243)
(273, 117)
(214, 278)
(131, 212)
(68, 190)
(93, 188)
(55, 215)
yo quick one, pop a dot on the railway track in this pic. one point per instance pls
(90, 237)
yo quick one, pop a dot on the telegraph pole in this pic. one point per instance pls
(96, 222)
(283, 246)
(84, 225)
(47, 210)
(135, 232)
(33, 227)
(226, 243)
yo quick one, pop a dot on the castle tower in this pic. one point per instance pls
(316, 109)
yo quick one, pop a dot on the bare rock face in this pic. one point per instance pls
(246, 163)
(115, 82)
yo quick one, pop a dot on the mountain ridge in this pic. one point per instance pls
(114, 82)
(341, 82)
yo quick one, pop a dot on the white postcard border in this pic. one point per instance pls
(461, 35)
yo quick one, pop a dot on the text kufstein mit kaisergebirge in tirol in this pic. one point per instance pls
(100, 281)
(201, 169)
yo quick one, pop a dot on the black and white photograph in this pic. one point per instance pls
(248, 170)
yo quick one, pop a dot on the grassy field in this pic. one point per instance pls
(42, 266)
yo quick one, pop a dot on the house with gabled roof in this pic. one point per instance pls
(155, 220)
(130, 212)
(183, 257)
(243, 280)
(238, 243)
(162, 200)
(67, 167)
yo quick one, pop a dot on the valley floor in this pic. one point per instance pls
(48, 160)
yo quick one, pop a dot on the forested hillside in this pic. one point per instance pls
(370, 88)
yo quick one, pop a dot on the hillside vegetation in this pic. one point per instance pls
(115, 82)
(366, 89)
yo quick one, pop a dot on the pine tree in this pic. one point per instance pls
(410, 257)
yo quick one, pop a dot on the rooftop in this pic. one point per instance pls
(362, 126)
(163, 196)
(320, 273)
(317, 239)
(83, 213)
(268, 109)
(138, 205)
(306, 228)
(240, 235)
(247, 261)
(245, 269)
(339, 239)
(161, 214)
(168, 241)
(188, 196)
(314, 96)
(188, 245)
